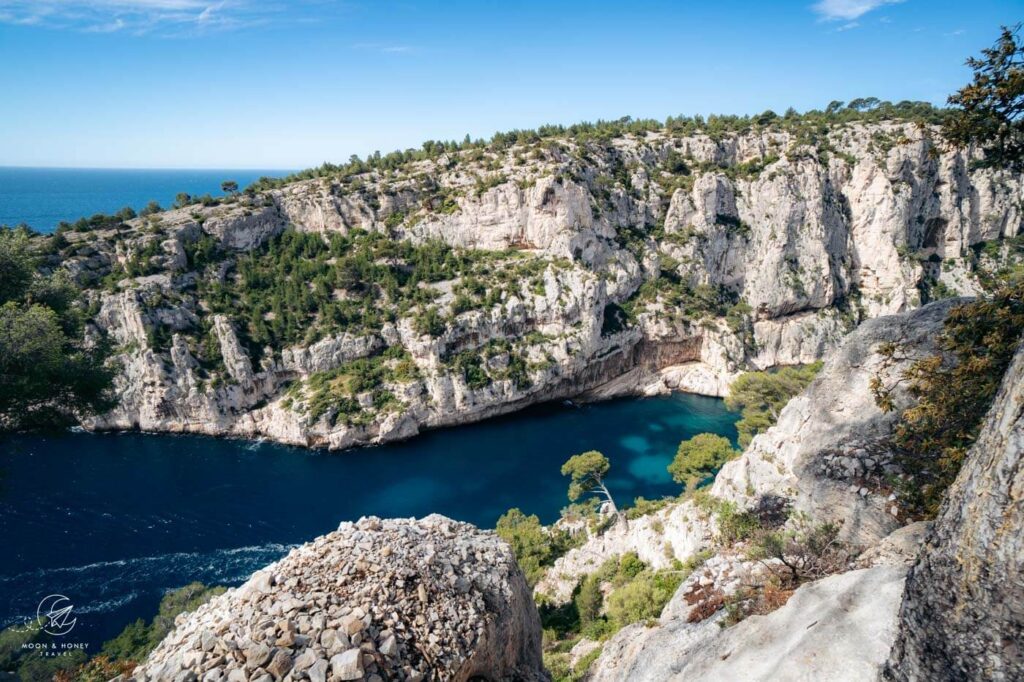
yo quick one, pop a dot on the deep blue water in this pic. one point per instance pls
(42, 197)
(113, 521)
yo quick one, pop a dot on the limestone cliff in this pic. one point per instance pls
(836, 629)
(826, 457)
(640, 263)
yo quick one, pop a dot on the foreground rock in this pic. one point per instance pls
(838, 629)
(963, 613)
(378, 599)
(829, 454)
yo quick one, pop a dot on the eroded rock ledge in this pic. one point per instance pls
(377, 599)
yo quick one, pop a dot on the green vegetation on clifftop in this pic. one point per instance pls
(49, 373)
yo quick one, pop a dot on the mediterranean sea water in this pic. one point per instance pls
(42, 197)
(114, 521)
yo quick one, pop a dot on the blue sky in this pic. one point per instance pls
(289, 84)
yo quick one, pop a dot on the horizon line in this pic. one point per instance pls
(151, 168)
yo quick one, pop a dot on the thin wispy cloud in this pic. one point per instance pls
(111, 27)
(384, 48)
(159, 17)
(848, 10)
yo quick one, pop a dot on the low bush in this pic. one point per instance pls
(760, 397)
(535, 547)
(698, 458)
(952, 390)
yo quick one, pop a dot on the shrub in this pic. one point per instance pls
(469, 365)
(150, 209)
(760, 397)
(635, 593)
(804, 554)
(557, 664)
(642, 599)
(48, 374)
(643, 507)
(462, 303)
(700, 457)
(589, 600)
(758, 601)
(953, 390)
(535, 547)
(429, 322)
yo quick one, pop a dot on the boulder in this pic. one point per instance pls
(396, 599)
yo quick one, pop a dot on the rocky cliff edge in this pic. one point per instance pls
(428, 599)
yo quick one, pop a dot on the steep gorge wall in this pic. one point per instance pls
(826, 458)
(805, 243)
(957, 615)
(802, 233)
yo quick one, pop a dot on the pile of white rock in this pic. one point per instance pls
(401, 599)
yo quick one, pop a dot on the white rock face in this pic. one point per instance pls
(329, 353)
(679, 531)
(377, 599)
(246, 231)
(838, 629)
(828, 443)
(962, 615)
(550, 216)
(953, 618)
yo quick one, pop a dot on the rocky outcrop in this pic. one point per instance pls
(838, 629)
(962, 616)
(826, 457)
(431, 599)
(828, 452)
(657, 539)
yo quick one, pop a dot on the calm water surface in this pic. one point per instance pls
(113, 521)
(42, 197)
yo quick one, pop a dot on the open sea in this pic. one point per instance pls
(43, 197)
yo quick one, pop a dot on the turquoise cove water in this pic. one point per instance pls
(114, 521)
